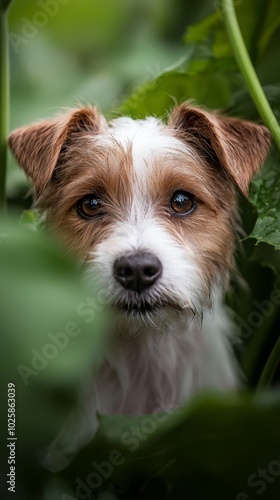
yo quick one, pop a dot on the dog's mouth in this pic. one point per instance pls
(135, 309)
(144, 307)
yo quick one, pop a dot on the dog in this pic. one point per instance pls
(151, 208)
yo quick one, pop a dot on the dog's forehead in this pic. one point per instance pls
(146, 141)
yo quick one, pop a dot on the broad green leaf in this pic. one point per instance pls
(209, 449)
(265, 196)
(160, 95)
(48, 343)
(202, 30)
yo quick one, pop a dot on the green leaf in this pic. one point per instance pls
(48, 343)
(30, 218)
(159, 96)
(202, 30)
(208, 449)
(265, 196)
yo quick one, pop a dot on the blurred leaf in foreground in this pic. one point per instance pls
(216, 447)
(48, 342)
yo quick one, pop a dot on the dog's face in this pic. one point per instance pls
(149, 207)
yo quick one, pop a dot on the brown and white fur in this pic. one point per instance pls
(172, 338)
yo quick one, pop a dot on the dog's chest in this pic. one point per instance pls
(154, 372)
(140, 376)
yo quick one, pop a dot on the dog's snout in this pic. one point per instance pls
(138, 271)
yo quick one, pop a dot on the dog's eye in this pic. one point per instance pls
(183, 203)
(89, 206)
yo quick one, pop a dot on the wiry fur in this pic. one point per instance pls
(173, 339)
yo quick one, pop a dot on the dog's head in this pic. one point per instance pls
(150, 206)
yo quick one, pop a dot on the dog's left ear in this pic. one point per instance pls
(239, 147)
(37, 147)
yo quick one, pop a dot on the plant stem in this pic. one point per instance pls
(270, 367)
(4, 97)
(246, 67)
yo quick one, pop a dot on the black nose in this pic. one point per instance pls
(138, 271)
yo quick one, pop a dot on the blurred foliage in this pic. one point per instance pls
(127, 57)
(208, 449)
(47, 347)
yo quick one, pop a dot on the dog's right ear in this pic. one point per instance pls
(37, 147)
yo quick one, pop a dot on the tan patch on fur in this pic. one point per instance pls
(88, 168)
